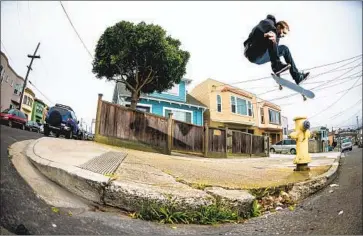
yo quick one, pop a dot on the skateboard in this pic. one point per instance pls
(285, 83)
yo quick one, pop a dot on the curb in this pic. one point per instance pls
(81, 182)
(304, 189)
(122, 194)
(132, 196)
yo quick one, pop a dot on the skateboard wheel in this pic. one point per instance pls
(280, 87)
(304, 98)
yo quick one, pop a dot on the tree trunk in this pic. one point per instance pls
(134, 99)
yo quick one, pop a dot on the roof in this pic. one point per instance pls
(7, 62)
(121, 89)
(40, 101)
(30, 91)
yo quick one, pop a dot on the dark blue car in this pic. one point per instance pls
(61, 120)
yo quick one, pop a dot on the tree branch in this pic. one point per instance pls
(124, 81)
(148, 79)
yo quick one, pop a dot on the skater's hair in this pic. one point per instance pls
(283, 25)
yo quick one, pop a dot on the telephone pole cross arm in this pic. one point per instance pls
(27, 74)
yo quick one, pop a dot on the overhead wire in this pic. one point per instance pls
(332, 104)
(285, 73)
(84, 45)
(333, 70)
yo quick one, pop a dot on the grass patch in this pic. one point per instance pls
(256, 209)
(169, 214)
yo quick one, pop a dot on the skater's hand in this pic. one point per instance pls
(271, 36)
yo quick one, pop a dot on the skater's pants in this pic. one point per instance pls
(271, 50)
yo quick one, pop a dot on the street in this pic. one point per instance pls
(318, 214)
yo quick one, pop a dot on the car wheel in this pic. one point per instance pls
(10, 123)
(69, 135)
(46, 132)
(293, 151)
(57, 134)
(272, 150)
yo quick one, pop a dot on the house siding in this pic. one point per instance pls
(158, 109)
(179, 98)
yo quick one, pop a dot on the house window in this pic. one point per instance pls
(233, 104)
(141, 108)
(173, 91)
(250, 109)
(6, 78)
(182, 115)
(262, 115)
(25, 100)
(274, 117)
(219, 103)
(285, 131)
(243, 107)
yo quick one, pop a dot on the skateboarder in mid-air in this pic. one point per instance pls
(263, 46)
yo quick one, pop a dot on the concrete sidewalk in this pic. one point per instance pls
(128, 178)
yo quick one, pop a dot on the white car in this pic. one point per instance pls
(347, 145)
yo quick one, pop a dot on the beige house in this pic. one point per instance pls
(11, 85)
(227, 106)
(269, 120)
(238, 109)
(28, 102)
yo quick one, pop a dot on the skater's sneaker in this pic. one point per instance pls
(301, 77)
(280, 67)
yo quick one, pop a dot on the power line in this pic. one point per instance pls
(84, 45)
(335, 101)
(336, 115)
(287, 104)
(285, 73)
(7, 53)
(294, 94)
(350, 118)
(41, 92)
(333, 70)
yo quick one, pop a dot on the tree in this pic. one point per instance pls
(141, 56)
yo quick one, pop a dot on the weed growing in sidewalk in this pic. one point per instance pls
(169, 214)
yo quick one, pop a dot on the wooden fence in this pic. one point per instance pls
(120, 125)
(187, 137)
(245, 143)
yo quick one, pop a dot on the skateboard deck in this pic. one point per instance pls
(285, 83)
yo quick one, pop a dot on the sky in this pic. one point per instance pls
(213, 33)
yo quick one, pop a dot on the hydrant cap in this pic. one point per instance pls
(306, 125)
(300, 118)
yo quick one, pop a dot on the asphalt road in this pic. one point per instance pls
(23, 213)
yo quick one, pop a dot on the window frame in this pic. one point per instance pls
(219, 104)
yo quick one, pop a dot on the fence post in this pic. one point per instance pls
(170, 134)
(98, 114)
(226, 141)
(206, 140)
(267, 145)
(251, 145)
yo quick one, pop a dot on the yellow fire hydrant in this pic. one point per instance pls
(301, 135)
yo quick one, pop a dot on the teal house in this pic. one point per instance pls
(176, 100)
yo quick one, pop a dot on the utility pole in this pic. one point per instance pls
(27, 74)
(357, 123)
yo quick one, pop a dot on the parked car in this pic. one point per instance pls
(89, 136)
(347, 145)
(61, 120)
(32, 126)
(284, 146)
(13, 118)
(41, 129)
